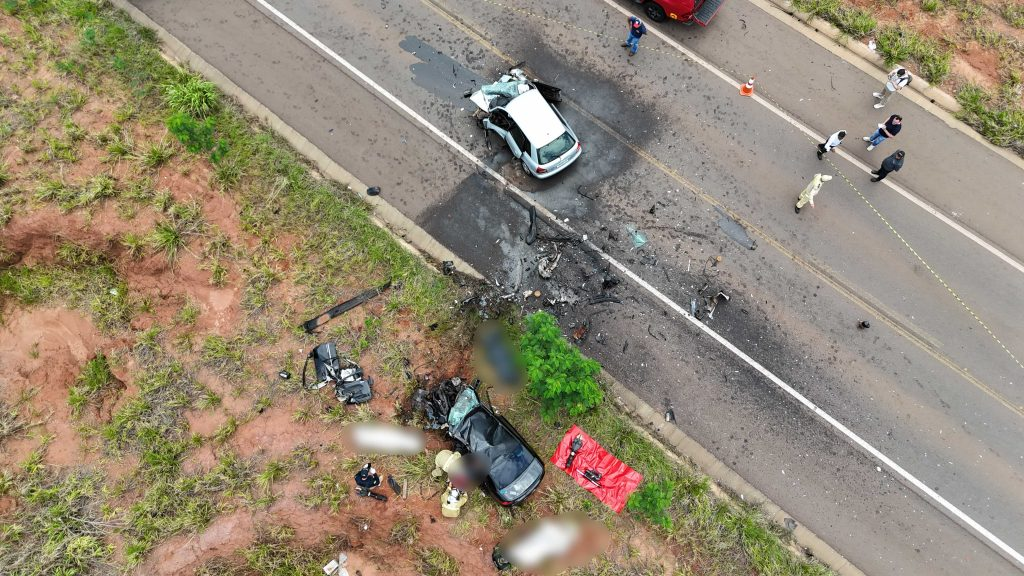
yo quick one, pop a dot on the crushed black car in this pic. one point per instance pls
(513, 469)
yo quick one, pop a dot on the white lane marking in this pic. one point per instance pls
(920, 486)
(820, 138)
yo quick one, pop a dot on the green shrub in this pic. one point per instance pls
(894, 45)
(930, 5)
(192, 95)
(560, 377)
(652, 501)
(196, 136)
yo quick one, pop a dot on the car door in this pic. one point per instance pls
(517, 141)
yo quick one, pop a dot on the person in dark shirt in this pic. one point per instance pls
(892, 163)
(890, 129)
(636, 30)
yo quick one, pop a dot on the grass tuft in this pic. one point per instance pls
(94, 380)
(191, 94)
(434, 561)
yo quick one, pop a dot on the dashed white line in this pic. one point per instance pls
(921, 487)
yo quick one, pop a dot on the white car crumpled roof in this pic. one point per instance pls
(535, 118)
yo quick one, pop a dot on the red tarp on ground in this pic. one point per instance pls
(618, 481)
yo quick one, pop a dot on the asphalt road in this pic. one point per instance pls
(671, 149)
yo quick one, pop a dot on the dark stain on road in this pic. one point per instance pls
(438, 73)
(735, 230)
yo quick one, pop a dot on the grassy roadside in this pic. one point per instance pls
(91, 520)
(997, 114)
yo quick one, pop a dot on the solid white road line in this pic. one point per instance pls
(524, 197)
(820, 138)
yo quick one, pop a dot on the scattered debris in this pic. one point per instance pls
(580, 332)
(336, 567)
(350, 385)
(395, 487)
(714, 302)
(670, 415)
(863, 324)
(312, 324)
(373, 191)
(437, 402)
(447, 267)
(284, 375)
(789, 523)
(638, 237)
(531, 233)
(546, 266)
(604, 298)
(610, 281)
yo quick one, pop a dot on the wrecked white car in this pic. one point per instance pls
(523, 113)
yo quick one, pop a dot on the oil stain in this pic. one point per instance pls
(735, 230)
(438, 73)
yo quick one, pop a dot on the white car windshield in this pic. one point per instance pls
(552, 150)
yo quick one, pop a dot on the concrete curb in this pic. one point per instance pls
(407, 232)
(676, 444)
(934, 100)
(728, 484)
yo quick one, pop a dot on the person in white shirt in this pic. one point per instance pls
(898, 78)
(832, 143)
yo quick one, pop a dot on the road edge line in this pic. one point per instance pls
(422, 243)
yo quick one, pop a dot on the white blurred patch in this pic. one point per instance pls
(375, 438)
(553, 543)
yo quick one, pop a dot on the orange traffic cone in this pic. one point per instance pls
(748, 88)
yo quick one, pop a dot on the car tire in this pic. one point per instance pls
(654, 12)
(526, 168)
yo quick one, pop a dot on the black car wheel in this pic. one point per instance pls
(654, 12)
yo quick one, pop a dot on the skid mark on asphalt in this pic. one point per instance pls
(288, 24)
(819, 270)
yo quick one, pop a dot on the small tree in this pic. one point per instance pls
(560, 377)
(652, 501)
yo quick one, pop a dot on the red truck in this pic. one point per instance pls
(688, 11)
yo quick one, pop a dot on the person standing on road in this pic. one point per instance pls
(807, 196)
(898, 78)
(832, 143)
(890, 129)
(636, 30)
(892, 163)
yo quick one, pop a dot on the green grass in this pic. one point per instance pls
(188, 314)
(434, 561)
(999, 120)
(95, 289)
(1013, 13)
(275, 553)
(92, 382)
(134, 244)
(856, 22)
(13, 421)
(324, 491)
(5, 174)
(70, 197)
(173, 234)
(59, 519)
(226, 356)
(930, 5)
(155, 155)
(404, 532)
(191, 94)
(898, 44)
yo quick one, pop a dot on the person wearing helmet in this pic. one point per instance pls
(807, 196)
